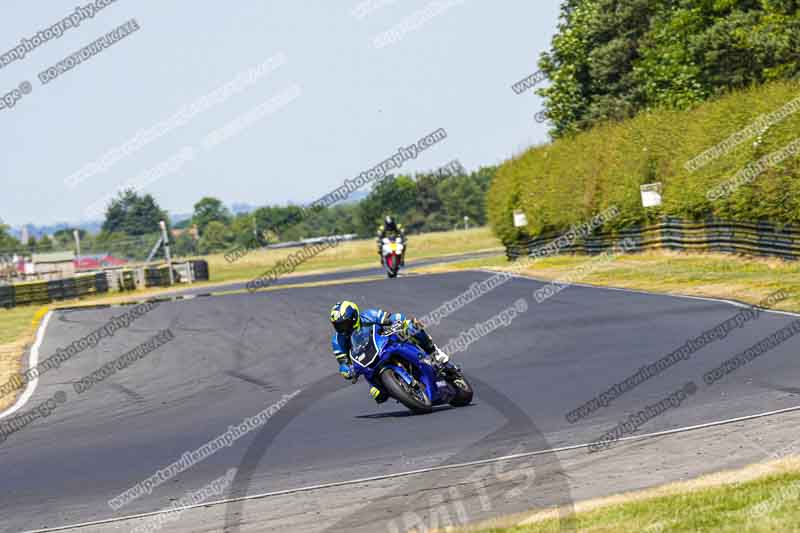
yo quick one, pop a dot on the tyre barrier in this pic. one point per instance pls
(45, 292)
(195, 270)
(199, 269)
(7, 296)
(127, 280)
(158, 276)
(746, 238)
(122, 279)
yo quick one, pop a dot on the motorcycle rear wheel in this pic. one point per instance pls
(416, 399)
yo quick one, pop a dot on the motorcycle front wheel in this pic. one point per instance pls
(392, 265)
(463, 392)
(412, 396)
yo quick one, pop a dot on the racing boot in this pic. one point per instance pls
(440, 357)
(414, 328)
(431, 350)
(378, 395)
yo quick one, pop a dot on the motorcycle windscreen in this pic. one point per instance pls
(364, 351)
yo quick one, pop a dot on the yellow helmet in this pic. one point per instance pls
(345, 317)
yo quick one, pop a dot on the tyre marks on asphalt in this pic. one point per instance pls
(255, 381)
(130, 393)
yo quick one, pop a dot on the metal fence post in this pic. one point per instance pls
(165, 240)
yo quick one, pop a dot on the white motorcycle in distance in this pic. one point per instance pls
(392, 252)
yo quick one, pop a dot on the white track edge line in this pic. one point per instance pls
(33, 361)
(421, 471)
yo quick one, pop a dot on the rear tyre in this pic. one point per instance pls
(413, 397)
(463, 392)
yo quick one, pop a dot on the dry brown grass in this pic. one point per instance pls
(353, 254)
(716, 275)
(19, 330)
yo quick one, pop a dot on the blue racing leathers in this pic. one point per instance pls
(412, 329)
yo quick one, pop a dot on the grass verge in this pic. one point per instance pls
(760, 498)
(353, 254)
(714, 275)
(17, 330)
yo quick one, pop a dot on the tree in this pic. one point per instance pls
(428, 194)
(68, 233)
(245, 232)
(184, 246)
(484, 176)
(279, 222)
(121, 245)
(183, 224)
(133, 215)
(209, 210)
(45, 244)
(216, 238)
(65, 238)
(7, 241)
(611, 59)
(461, 196)
(394, 196)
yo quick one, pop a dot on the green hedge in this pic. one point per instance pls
(568, 181)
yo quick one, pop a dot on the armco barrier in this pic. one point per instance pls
(672, 234)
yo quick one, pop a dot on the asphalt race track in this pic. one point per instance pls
(235, 355)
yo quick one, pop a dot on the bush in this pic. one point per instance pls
(575, 177)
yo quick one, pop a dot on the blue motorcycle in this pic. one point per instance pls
(405, 372)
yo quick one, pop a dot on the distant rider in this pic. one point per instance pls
(347, 319)
(391, 230)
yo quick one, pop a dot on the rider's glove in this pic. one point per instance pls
(346, 371)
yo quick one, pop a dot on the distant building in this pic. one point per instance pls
(98, 261)
(191, 231)
(54, 265)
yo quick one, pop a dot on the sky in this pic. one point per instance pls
(262, 102)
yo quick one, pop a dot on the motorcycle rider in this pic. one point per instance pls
(392, 230)
(347, 319)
